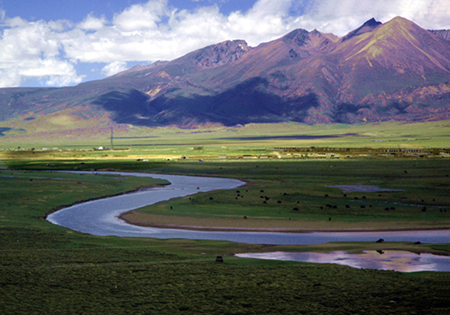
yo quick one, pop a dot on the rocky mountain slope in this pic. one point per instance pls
(378, 72)
(445, 34)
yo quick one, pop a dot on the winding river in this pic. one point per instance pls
(101, 217)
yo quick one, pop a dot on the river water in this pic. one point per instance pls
(100, 217)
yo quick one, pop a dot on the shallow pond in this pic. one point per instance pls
(382, 260)
(362, 188)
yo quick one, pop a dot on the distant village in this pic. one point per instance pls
(276, 153)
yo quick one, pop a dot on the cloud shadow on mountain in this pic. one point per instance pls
(248, 102)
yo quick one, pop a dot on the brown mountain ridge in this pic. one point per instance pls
(378, 72)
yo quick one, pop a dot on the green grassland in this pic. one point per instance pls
(297, 195)
(47, 269)
(43, 190)
(221, 140)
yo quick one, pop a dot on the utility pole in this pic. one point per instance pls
(112, 136)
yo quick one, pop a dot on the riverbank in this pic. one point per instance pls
(213, 209)
(140, 188)
(249, 224)
(308, 197)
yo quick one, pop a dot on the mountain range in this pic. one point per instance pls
(378, 72)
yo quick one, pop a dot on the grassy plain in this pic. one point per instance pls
(252, 138)
(297, 196)
(48, 269)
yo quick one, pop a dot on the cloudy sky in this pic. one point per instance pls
(66, 42)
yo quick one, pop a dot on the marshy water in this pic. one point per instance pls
(101, 217)
(383, 260)
(362, 188)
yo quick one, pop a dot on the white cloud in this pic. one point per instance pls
(266, 20)
(32, 49)
(340, 17)
(141, 16)
(154, 30)
(114, 68)
(92, 23)
(9, 78)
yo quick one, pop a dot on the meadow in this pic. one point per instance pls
(222, 140)
(298, 196)
(48, 269)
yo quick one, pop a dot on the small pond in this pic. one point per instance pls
(362, 188)
(382, 260)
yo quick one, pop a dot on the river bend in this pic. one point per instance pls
(101, 217)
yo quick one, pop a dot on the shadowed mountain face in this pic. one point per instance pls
(248, 102)
(378, 72)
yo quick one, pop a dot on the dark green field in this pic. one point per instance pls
(46, 269)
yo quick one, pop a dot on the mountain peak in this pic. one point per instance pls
(215, 55)
(368, 26)
(222, 53)
(372, 22)
(393, 71)
(401, 23)
(399, 19)
(399, 26)
(313, 42)
(298, 36)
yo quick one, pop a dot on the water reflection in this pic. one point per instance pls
(382, 260)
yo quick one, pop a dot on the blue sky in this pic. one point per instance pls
(77, 10)
(66, 42)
